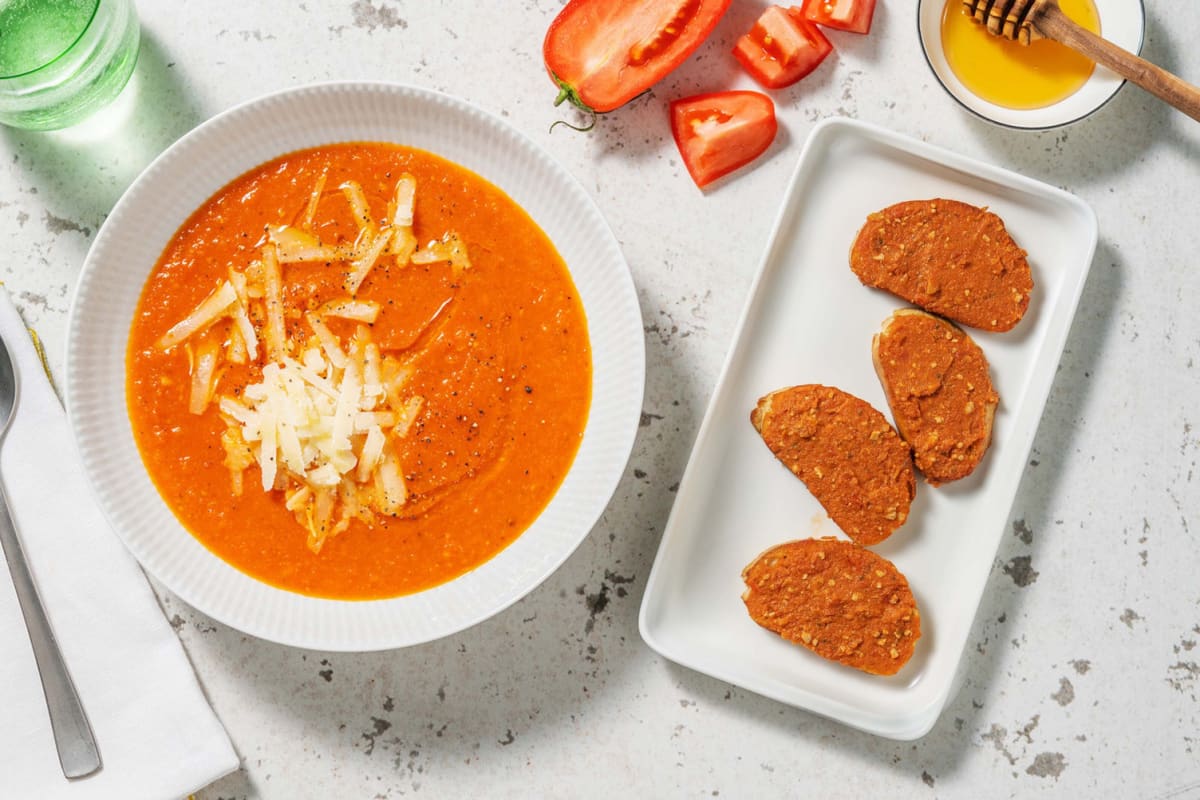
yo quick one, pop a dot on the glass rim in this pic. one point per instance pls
(82, 32)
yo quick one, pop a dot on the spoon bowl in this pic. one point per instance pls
(8, 390)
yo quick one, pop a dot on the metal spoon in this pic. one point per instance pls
(77, 751)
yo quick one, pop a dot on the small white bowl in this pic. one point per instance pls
(1122, 22)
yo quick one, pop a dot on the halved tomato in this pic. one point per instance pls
(782, 47)
(717, 133)
(846, 15)
(604, 53)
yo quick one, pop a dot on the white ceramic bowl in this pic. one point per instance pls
(223, 148)
(1122, 22)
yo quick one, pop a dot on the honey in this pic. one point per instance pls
(1011, 74)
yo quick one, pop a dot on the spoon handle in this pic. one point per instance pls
(1056, 25)
(77, 751)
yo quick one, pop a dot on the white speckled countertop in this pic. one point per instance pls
(1083, 669)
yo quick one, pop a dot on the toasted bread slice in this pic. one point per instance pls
(937, 385)
(839, 600)
(947, 257)
(848, 455)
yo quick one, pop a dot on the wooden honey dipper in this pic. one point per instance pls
(1026, 20)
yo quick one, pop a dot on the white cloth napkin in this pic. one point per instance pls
(157, 735)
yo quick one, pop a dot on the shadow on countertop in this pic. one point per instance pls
(81, 172)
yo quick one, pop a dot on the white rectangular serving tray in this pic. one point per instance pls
(808, 319)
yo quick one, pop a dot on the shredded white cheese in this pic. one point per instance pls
(325, 420)
(292, 412)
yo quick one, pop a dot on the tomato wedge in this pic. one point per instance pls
(604, 53)
(782, 47)
(718, 132)
(847, 15)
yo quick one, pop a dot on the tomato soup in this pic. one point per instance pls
(491, 357)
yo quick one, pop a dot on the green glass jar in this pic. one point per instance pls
(61, 60)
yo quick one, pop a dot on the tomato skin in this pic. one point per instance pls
(603, 53)
(720, 131)
(847, 15)
(782, 47)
